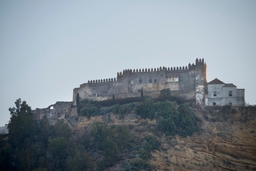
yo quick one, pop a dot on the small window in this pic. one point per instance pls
(214, 93)
(150, 80)
(155, 80)
(230, 93)
(214, 103)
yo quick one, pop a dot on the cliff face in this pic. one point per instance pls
(226, 140)
(220, 145)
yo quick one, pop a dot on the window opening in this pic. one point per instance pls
(140, 80)
(214, 103)
(214, 93)
(230, 93)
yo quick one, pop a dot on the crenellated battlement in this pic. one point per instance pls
(129, 82)
(199, 61)
(146, 70)
(107, 80)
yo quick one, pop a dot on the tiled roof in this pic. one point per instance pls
(229, 85)
(216, 81)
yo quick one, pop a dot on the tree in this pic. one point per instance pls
(21, 123)
(58, 152)
(78, 103)
(188, 121)
(146, 109)
(111, 152)
(22, 134)
(77, 99)
(141, 92)
(80, 161)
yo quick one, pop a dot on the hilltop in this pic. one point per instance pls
(133, 134)
(224, 141)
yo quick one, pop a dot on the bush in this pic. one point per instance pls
(146, 109)
(89, 110)
(171, 120)
(150, 144)
(140, 164)
(188, 121)
(122, 109)
(167, 126)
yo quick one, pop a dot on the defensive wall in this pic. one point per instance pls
(186, 81)
(54, 112)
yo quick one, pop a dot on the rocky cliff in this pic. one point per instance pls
(226, 139)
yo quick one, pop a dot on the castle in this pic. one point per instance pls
(187, 82)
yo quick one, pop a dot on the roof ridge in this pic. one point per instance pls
(216, 81)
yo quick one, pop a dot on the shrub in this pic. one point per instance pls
(140, 164)
(89, 110)
(188, 121)
(170, 119)
(146, 109)
(150, 144)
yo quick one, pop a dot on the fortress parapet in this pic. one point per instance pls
(181, 80)
(151, 70)
(101, 81)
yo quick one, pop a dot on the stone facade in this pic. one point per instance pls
(54, 112)
(220, 94)
(187, 82)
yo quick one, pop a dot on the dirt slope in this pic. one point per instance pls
(226, 141)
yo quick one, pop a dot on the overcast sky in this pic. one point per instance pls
(47, 48)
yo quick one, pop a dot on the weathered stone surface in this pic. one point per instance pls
(186, 82)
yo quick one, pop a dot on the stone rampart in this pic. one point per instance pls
(189, 79)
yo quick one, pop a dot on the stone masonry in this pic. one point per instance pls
(187, 82)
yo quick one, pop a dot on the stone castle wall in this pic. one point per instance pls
(53, 112)
(187, 82)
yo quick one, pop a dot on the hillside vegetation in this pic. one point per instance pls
(133, 134)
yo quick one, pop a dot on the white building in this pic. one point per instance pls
(220, 94)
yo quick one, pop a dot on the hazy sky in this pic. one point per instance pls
(47, 48)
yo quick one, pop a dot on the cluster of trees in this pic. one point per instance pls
(110, 141)
(171, 118)
(39, 146)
